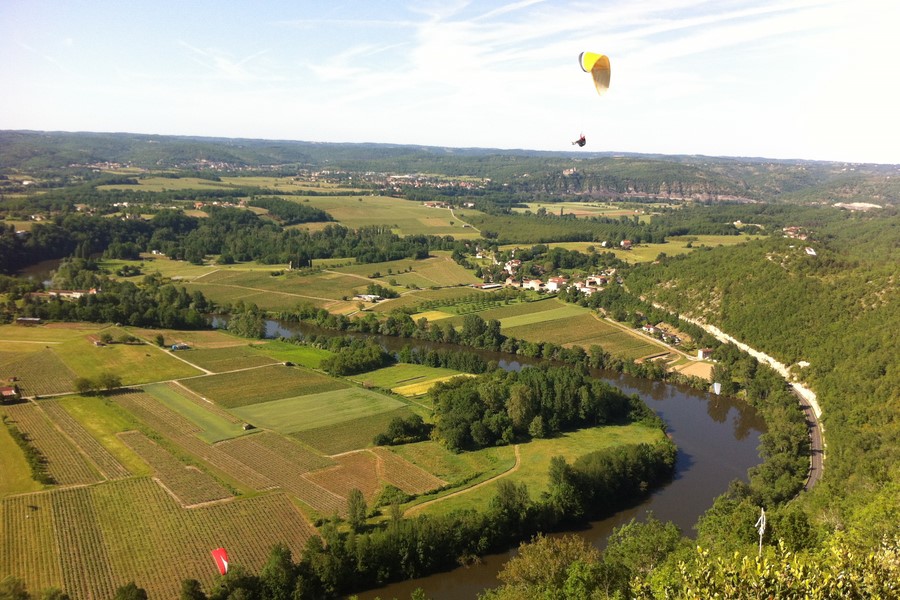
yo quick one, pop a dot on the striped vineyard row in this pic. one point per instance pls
(403, 474)
(28, 534)
(354, 471)
(83, 553)
(157, 544)
(65, 463)
(285, 473)
(276, 446)
(40, 373)
(108, 465)
(189, 484)
(180, 431)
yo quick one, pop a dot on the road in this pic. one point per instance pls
(807, 398)
(816, 445)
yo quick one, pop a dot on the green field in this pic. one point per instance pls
(403, 374)
(586, 330)
(579, 209)
(103, 418)
(649, 252)
(219, 360)
(458, 467)
(262, 385)
(312, 411)
(404, 217)
(349, 435)
(305, 356)
(215, 426)
(15, 476)
(438, 270)
(535, 461)
(417, 297)
(134, 364)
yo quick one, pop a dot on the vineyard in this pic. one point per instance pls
(65, 464)
(403, 474)
(108, 465)
(40, 373)
(91, 540)
(257, 386)
(220, 360)
(355, 470)
(181, 432)
(214, 423)
(188, 484)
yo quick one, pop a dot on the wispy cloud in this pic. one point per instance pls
(219, 65)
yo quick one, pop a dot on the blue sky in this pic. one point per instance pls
(812, 79)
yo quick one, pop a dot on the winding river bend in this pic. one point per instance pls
(717, 441)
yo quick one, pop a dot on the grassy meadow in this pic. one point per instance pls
(535, 458)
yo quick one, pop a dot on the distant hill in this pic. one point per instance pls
(564, 173)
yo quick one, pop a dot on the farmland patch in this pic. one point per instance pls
(259, 386)
(351, 434)
(313, 411)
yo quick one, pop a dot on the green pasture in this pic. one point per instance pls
(230, 358)
(311, 411)
(133, 363)
(262, 385)
(15, 476)
(167, 267)
(432, 315)
(199, 339)
(289, 185)
(535, 461)
(518, 314)
(305, 356)
(417, 297)
(51, 333)
(352, 434)
(457, 468)
(579, 209)
(278, 292)
(673, 246)
(403, 374)
(439, 270)
(103, 418)
(164, 184)
(404, 217)
(585, 330)
(215, 427)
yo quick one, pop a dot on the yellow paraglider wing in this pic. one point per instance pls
(598, 66)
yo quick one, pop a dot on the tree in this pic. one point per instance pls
(278, 575)
(130, 591)
(84, 385)
(356, 509)
(13, 588)
(160, 340)
(191, 590)
(109, 381)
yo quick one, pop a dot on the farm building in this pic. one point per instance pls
(9, 393)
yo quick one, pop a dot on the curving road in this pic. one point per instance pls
(806, 397)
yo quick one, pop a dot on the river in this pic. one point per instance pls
(717, 441)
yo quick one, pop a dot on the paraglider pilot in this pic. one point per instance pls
(580, 141)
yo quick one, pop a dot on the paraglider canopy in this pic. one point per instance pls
(221, 557)
(598, 66)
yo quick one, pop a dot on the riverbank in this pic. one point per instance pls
(806, 395)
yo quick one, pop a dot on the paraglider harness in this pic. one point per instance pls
(580, 141)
